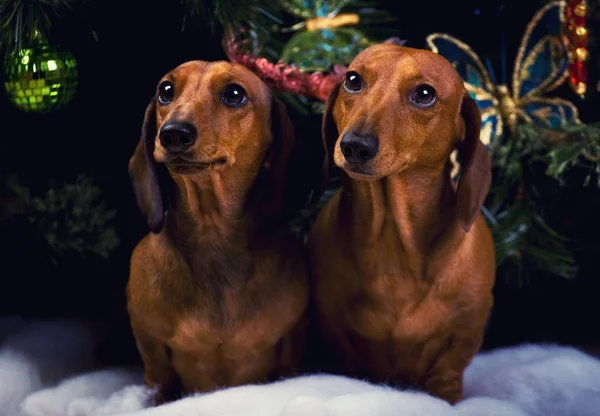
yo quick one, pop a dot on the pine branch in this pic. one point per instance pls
(19, 19)
(251, 22)
(234, 15)
(375, 23)
(522, 237)
(69, 217)
(579, 147)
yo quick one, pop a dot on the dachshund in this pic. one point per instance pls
(402, 265)
(218, 289)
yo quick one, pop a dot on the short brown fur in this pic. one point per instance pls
(402, 264)
(218, 291)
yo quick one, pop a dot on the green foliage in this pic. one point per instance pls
(375, 23)
(516, 207)
(579, 148)
(19, 19)
(70, 217)
(524, 240)
(224, 13)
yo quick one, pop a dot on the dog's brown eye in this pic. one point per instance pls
(353, 82)
(166, 92)
(234, 95)
(423, 95)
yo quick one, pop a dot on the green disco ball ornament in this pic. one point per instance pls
(40, 78)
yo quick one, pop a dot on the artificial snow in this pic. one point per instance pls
(48, 369)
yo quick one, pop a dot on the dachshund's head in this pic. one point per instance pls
(399, 109)
(213, 118)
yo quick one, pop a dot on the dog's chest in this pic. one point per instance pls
(380, 302)
(201, 336)
(240, 350)
(232, 327)
(387, 286)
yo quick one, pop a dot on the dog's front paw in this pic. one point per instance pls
(445, 387)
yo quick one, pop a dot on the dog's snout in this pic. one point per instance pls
(359, 148)
(177, 136)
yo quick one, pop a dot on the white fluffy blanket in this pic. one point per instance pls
(46, 369)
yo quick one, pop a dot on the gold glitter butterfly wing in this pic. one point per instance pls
(542, 60)
(477, 82)
(549, 112)
(540, 67)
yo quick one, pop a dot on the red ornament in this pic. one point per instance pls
(576, 33)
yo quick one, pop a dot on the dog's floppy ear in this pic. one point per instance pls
(330, 133)
(145, 174)
(273, 195)
(476, 177)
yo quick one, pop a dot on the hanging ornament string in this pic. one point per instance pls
(577, 33)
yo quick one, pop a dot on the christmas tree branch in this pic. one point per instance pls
(235, 15)
(20, 19)
(575, 146)
(522, 236)
(375, 23)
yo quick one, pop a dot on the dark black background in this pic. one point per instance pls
(138, 41)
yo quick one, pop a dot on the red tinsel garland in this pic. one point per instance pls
(286, 78)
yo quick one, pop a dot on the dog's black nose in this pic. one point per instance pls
(177, 136)
(359, 148)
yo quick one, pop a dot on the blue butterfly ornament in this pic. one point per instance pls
(541, 66)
